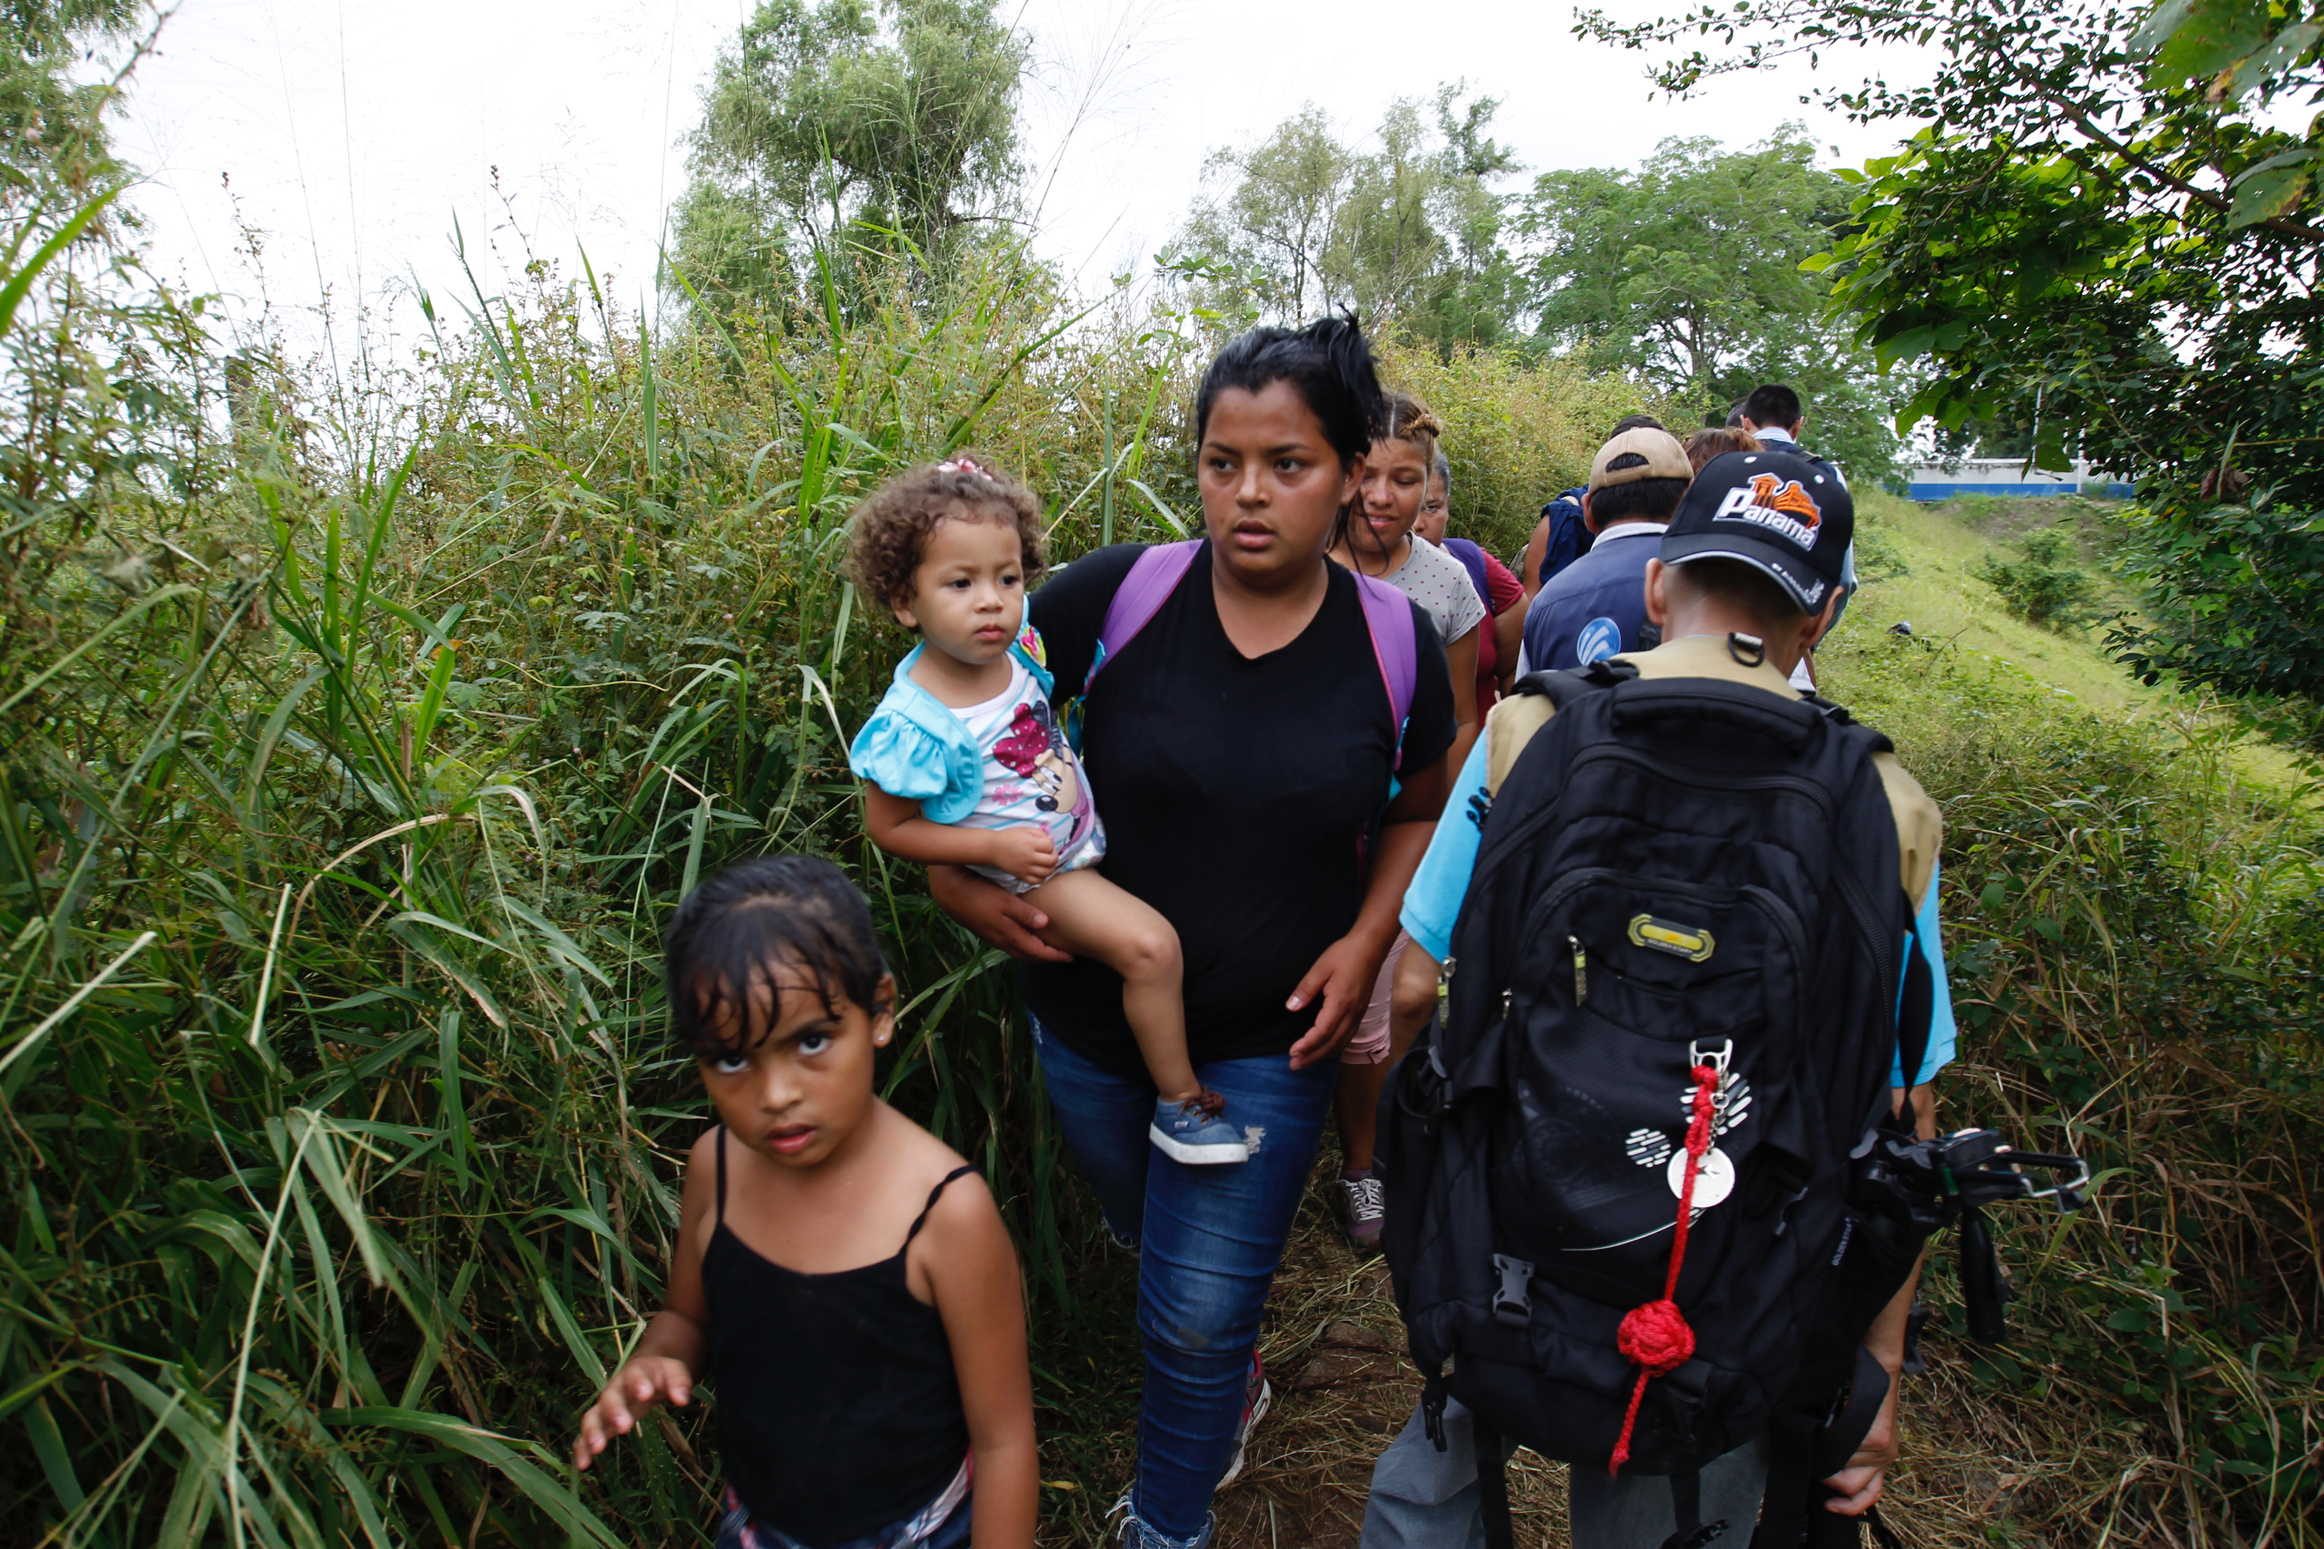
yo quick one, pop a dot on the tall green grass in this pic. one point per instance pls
(2134, 942)
(359, 736)
(352, 767)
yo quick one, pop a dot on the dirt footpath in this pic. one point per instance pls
(1334, 1349)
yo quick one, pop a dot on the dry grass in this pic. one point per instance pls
(1978, 1468)
(1334, 1348)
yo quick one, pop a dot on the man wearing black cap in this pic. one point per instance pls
(1747, 578)
(1786, 516)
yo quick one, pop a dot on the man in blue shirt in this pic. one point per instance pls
(1596, 606)
(1774, 414)
(1730, 562)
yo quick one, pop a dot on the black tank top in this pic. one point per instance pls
(838, 1408)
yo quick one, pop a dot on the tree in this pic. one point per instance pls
(1689, 263)
(1688, 271)
(899, 117)
(2105, 225)
(1409, 234)
(1279, 220)
(53, 143)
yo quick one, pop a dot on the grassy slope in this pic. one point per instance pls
(1941, 597)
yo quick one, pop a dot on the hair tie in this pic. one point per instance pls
(966, 465)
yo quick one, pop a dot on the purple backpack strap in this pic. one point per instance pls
(1388, 615)
(1472, 560)
(1153, 576)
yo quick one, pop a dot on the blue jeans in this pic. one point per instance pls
(1425, 1499)
(1212, 1238)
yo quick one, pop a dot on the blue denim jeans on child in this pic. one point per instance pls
(1212, 1238)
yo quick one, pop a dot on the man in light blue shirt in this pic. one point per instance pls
(1426, 1499)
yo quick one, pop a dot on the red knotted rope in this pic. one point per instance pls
(1655, 1336)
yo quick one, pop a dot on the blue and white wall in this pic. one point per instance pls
(2008, 476)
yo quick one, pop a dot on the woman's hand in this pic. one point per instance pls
(993, 912)
(1339, 985)
(1342, 978)
(645, 1381)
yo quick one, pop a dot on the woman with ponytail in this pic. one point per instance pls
(1376, 537)
(1497, 588)
(1242, 745)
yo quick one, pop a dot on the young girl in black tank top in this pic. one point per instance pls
(840, 1273)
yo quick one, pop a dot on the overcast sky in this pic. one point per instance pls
(354, 133)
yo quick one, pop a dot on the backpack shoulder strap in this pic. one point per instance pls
(1153, 576)
(1563, 688)
(1848, 725)
(1531, 702)
(1395, 646)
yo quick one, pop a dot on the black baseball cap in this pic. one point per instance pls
(1779, 512)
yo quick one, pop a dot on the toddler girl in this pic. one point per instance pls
(841, 1272)
(966, 764)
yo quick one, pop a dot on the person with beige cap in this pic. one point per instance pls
(1596, 606)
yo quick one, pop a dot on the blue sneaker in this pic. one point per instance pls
(1196, 1131)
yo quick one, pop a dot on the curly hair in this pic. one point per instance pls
(888, 534)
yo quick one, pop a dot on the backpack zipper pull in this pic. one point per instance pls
(1581, 970)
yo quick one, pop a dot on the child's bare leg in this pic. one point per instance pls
(1091, 917)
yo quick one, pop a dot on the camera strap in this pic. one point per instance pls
(1852, 1419)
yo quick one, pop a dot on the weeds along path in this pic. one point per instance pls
(354, 746)
(2129, 898)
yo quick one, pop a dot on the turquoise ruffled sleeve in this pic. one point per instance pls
(901, 757)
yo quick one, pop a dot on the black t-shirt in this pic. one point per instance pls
(1234, 792)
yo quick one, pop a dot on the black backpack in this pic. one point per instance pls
(1675, 873)
(1569, 534)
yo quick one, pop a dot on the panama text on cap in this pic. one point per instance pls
(1777, 511)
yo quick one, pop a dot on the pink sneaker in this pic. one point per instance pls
(1256, 1397)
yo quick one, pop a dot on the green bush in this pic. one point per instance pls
(2228, 596)
(2044, 584)
(2134, 947)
